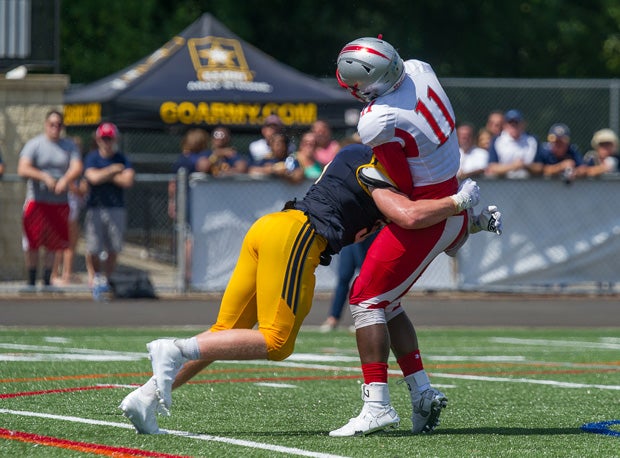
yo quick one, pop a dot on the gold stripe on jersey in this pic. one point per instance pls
(295, 267)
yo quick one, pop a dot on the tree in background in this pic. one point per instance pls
(470, 38)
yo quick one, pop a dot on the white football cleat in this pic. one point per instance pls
(166, 361)
(141, 408)
(427, 407)
(376, 415)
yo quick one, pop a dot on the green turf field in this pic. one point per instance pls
(512, 393)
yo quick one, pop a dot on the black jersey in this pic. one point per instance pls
(336, 205)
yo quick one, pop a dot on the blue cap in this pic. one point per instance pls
(557, 131)
(513, 115)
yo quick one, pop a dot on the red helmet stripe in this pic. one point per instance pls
(352, 48)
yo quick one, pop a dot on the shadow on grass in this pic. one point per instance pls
(405, 433)
(504, 431)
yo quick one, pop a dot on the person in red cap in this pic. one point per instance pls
(109, 173)
(50, 163)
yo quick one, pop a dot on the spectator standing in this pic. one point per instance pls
(512, 153)
(260, 148)
(327, 147)
(50, 163)
(557, 157)
(223, 159)
(194, 148)
(62, 271)
(474, 160)
(278, 162)
(306, 156)
(495, 122)
(603, 158)
(109, 173)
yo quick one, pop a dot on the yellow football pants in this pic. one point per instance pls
(273, 282)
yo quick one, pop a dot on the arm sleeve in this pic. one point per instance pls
(392, 157)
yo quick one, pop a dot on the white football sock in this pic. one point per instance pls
(189, 347)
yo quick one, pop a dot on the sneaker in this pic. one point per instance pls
(28, 289)
(427, 407)
(376, 415)
(330, 324)
(101, 292)
(370, 420)
(141, 411)
(166, 360)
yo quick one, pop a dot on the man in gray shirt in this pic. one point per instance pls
(50, 163)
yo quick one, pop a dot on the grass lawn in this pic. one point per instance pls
(512, 392)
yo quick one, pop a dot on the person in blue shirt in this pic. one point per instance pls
(558, 157)
(278, 162)
(108, 173)
(194, 149)
(222, 159)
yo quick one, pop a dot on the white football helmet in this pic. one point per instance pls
(368, 68)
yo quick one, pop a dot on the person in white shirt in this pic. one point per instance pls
(260, 148)
(512, 153)
(474, 160)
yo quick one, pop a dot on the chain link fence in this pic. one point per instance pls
(584, 105)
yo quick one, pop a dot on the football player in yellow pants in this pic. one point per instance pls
(265, 290)
(273, 283)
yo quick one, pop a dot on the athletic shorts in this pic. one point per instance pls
(104, 229)
(75, 206)
(273, 282)
(45, 225)
(398, 257)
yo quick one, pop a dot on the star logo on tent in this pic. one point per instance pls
(219, 59)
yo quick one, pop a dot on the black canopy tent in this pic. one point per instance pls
(207, 76)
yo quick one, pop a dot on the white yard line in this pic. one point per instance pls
(81, 351)
(532, 381)
(303, 360)
(190, 435)
(606, 345)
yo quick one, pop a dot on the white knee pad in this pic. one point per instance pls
(366, 317)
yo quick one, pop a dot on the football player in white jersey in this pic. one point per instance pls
(410, 125)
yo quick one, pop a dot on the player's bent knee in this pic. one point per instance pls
(363, 317)
(278, 348)
(279, 354)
